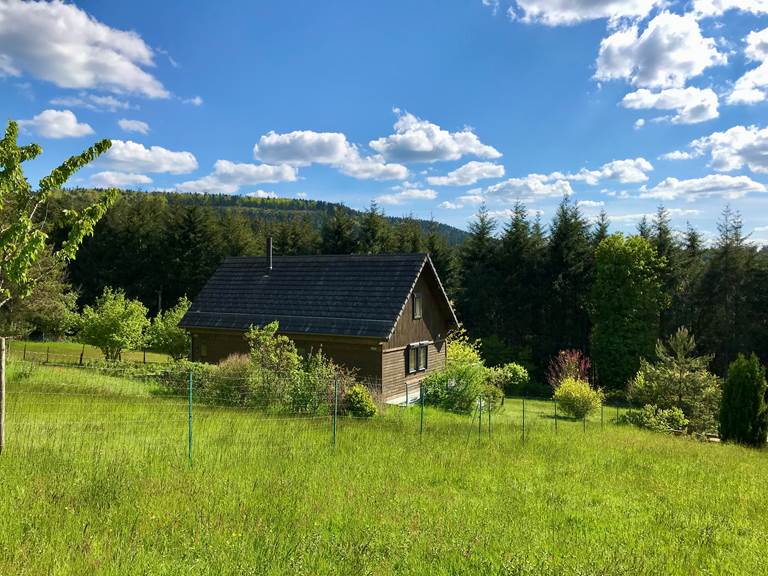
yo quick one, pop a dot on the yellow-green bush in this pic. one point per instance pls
(358, 402)
(577, 398)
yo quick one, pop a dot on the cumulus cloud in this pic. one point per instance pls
(567, 12)
(678, 155)
(752, 87)
(109, 179)
(628, 171)
(417, 140)
(666, 54)
(529, 188)
(92, 102)
(709, 8)
(195, 101)
(305, 147)
(261, 194)
(448, 205)
(133, 125)
(590, 203)
(228, 177)
(734, 149)
(60, 43)
(129, 156)
(468, 174)
(406, 193)
(56, 124)
(691, 105)
(637, 216)
(712, 185)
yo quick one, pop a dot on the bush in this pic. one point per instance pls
(568, 364)
(231, 382)
(743, 410)
(679, 380)
(113, 324)
(511, 378)
(359, 403)
(576, 398)
(462, 350)
(165, 335)
(656, 419)
(312, 386)
(456, 388)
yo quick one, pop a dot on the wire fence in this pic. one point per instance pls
(60, 405)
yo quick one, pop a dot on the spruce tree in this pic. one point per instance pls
(743, 409)
(601, 227)
(375, 234)
(338, 234)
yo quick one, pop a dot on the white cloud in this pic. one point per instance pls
(109, 179)
(417, 140)
(133, 125)
(92, 102)
(448, 205)
(752, 87)
(636, 217)
(735, 148)
(567, 12)
(712, 185)
(709, 8)
(60, 43)
(590, 203)
(468, 174)
(691, 105)
(529, 188)
(195, 101)
(129, 156)
(678, 155)
(628, 171)
(305, 147)
(57, 124)
(639, 123)
(261, 194)
(228, 177)
(669, 51)
(406, 193)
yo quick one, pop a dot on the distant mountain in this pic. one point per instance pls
(283, 208)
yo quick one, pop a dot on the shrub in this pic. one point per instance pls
(679, 380)
(568, 364)
(456, 388)
(656, 419)
(511, 378)
(276, 366)
(576, 398)
(230, 382)
(113, 324)
(492, 396)
(358, 402)
(165, 335)
(743, 410)
(309, 389)
(462, 350)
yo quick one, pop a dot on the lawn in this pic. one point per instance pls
(63, 352)
(96, 480)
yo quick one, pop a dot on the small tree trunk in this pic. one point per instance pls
(2, 394)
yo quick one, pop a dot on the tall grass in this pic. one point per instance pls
(96, 480)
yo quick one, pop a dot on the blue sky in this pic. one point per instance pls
(427, 107)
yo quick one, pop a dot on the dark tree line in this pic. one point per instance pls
(529, 293)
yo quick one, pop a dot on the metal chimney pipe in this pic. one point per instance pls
(269, 252)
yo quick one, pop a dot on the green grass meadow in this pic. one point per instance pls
(64, 352)
(95, 479)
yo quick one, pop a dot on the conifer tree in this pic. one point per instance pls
(743, 409)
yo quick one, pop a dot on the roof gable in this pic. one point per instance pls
(351, 295)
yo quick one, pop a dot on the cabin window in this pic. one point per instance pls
(416, 360)
(416, 305)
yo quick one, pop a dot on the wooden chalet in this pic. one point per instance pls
(386, 316)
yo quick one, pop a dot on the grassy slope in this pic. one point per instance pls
(69, 352)
(95, 480)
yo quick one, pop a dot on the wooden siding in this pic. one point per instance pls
(433, 324)
(395, 380)
(215, 346)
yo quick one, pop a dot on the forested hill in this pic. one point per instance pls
(278, 209)
(162, 245)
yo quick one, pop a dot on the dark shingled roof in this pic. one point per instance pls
(351, 295)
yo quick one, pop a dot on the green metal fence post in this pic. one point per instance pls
(617, 413)
(421, 416)
(189, 425)
(335, 407)
(47, 354)
(406, 394)
(523, 418)
(601, 417)
(585, 423)
(24, 357)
